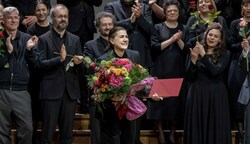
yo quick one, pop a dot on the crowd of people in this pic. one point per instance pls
(200, 42)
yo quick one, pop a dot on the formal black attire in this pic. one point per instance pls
(14, 98)
(245, 95)
(81, 18)
(94, 49)
(207, 118)
(168, 63)
(236, 75)
(139, 32)
(34, 83)
(35, 79)
(59, 89)
(114, 130)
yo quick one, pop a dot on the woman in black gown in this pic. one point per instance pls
(168, 47)
(207, 119)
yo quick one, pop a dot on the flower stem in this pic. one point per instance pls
(247, 62)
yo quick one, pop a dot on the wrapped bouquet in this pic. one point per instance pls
(118, 80)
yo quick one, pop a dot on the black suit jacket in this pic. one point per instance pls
(55, 78)
(95, 48)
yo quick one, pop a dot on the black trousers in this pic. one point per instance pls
(118, 132)
(61, 112)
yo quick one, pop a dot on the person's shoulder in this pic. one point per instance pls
(31, 29)
(45, 35)
(71, 35)
(236, 21)
(23, 34)
(133, 52)
(112, 3)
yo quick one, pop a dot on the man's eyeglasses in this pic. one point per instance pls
(61, 17)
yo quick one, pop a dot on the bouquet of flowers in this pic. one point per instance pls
(118, 80)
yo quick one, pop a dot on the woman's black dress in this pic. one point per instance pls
(207, 118)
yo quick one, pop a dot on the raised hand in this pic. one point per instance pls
(32, 42)
(9, 44)
(150, 2)
(136, 10)
(63, 53)
(194, 54)
(177, 36)
(200, 48)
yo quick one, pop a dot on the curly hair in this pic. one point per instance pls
(217, 52)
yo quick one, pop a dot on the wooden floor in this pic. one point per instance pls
(82, 133)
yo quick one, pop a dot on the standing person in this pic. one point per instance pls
(81, 23)
(207, 118)
(136, 18)
(16, 53)
(95, 48)
(236, 74)
(42, 25)
(244, 64)
(114, 130)
(59, 89)
(168, 47)
(26, 9)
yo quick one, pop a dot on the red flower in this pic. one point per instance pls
(1, 35)
(92, 65)
(192, 4)
(211, 7)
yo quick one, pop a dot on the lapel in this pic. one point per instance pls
(120, 8)
(54, 43)
(67, 43)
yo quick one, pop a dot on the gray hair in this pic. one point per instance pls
(102, 15)
(54, 8)
(9, 10)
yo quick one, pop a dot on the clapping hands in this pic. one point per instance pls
(197, 51)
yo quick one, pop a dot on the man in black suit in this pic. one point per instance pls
(81, 18)
(59, 88)
(81, 23)
(94, 49)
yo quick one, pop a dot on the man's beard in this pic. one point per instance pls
(61, 26)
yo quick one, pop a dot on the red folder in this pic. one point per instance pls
(166, 87)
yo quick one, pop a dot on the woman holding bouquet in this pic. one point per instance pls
(113, 129)
(168, 47)
(207, 118)
(238, 29)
